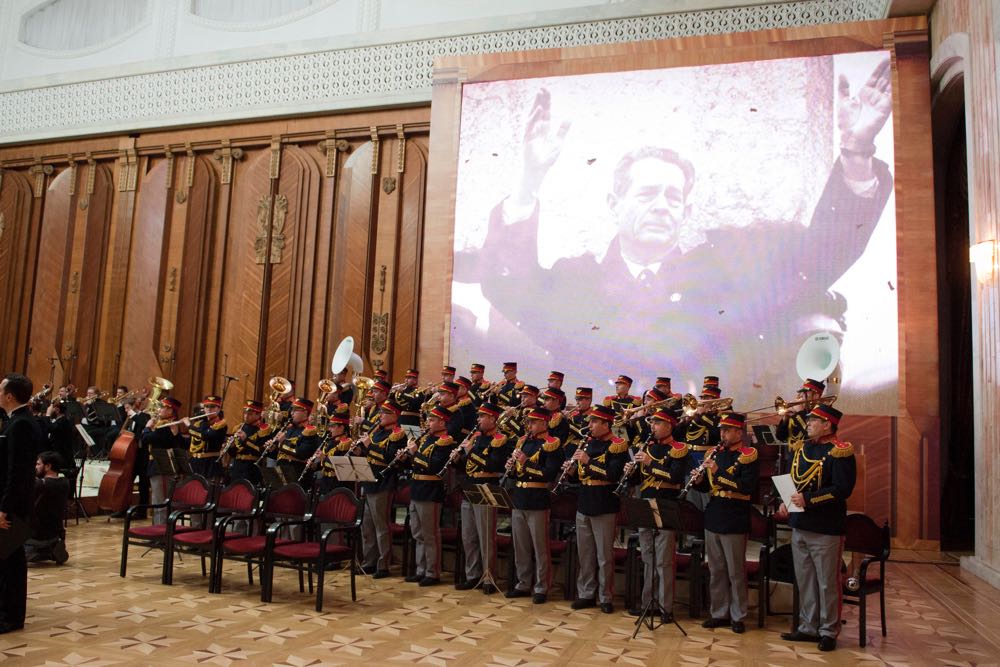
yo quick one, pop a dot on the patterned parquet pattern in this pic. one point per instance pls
(82, 613)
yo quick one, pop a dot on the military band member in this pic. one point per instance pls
(792, 427)
(410, 399)
(448, 374)
(555, 381)
(553, 400)
(662, 385)
(508, 392)
(484, 457)
(534, 465)
(207, 436)
(336, 442)
(730, 477)
(578, 415)
(700, 430)
(159, 437)
(480, 385)
(429, 454)
(466, 407)
(249, 437)
(512, 421)
(300, 441)
(663, 465)
(598, 466)
(369, 418)
(824, 472)
(621, 399)
(448, 399)
(380, 448)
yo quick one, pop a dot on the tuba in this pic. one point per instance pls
(159, 388)
(280, 387)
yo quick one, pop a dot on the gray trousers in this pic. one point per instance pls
(375, 536)
(158, 485)
(817, 559)
(657, 549)
(595, 543)
(425, 526)
(529, 530)
(726, 556)
(479, 529)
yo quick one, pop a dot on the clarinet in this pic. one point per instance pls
(696, 474)
(402, 456)
(455, 454)
(623, 484)
(268, 446)
(563, 480)
(315, 457)
(230, 441)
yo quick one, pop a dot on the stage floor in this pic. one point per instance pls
(82, 613)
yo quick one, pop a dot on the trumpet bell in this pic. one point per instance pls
(818, 356)
(280, 385)
(326, 386)
(362, 383)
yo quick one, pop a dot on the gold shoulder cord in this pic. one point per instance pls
(803, 479)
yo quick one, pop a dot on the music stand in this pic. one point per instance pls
(282, 473)
(656, 514)
(492, 496)
(352, 469)
(172, 462)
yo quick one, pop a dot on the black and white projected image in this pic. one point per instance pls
(685, 222)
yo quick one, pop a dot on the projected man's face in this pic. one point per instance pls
(652, 209)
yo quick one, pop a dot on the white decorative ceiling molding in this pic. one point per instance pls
(353, 78)
(76, 26)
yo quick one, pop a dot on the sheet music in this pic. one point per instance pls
(86, 436)
(786, 487)
(656, 512)
(488, 494)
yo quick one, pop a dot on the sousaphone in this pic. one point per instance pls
(818, 356)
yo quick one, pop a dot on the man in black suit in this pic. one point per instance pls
(22, 440)
(645, 285)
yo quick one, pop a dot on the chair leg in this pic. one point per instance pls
(881, 594)
(862, 619)
(203, 565)
(250, 571)
(167, 578)
(266, 578)
(320, 572)
(124, 558)
(354, 568)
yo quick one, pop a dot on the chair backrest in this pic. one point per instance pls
(401, 496)
(563, 508)
(339, 506)
(193, 491)
(287, 501)
(238, 497)
(760, 526)
(863, 535)
(692, 519)
(453, 501)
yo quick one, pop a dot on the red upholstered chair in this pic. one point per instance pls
(762, 532)
(689, 564)
(238, 498)
(451, 534)
(193, 492)
(286, 502)
(401, 531)
(864, 537)
(562, 540)
(340, 508)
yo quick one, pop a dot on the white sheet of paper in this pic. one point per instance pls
(786, 487)
(86, 436)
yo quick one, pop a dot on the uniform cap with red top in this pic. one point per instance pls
(584, 392)
(662, 381)
(491, 409)
(449, 370)
(656, 394)
(477, 368)
(412, 373)
(381, 374)
(254, 406)
(711, 392)
(510, 366)
(556, 375)
(530, 389)
(450, 387)
(733, 420)
(212, 399)
(441, 413)
(602, 412)
(301, 403)
(463, 381)
(664, 416)
(553, 392)
(623, 379)
(390, 407)
(539, 413)
(812, 385)
(711, 381)
(342, 415)
(382, 386)
(826, 413)
(171, 403)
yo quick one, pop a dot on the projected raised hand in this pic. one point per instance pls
(862, 116)
(542, 145)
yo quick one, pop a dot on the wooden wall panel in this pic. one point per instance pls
(16, 235)
(412, 188)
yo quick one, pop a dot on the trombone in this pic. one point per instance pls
(692, 404)
(781, 406)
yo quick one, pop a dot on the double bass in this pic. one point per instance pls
(115, 491)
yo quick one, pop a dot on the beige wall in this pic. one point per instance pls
(964, 43)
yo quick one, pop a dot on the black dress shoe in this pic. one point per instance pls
(827, 643)
(489, 589)
(715, 622)
(584, 603)
(118, 515)
(799, 637)
(635, 612)
(516, 593)
(414, 578)
(10, 627)
(430, 581)
(380, 574)
(738, 627)
(369, 569)
(539, 598)
(466, 585)
(607, 608)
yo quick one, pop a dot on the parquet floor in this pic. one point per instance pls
(82, 613)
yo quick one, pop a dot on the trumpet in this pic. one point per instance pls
(45, 391)
(630, 467)
(455, 454)
(126, 397)
(697, 472)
